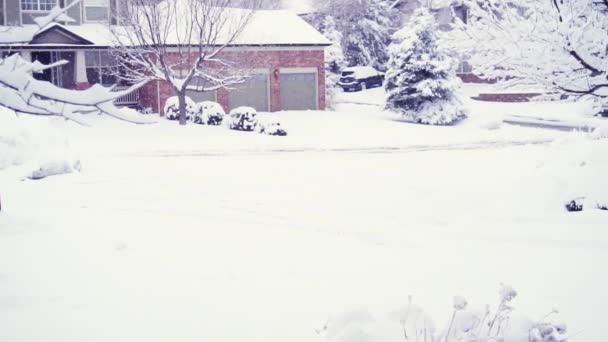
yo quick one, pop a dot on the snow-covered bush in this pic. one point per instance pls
(171, 109)
(411, 323)
(209, 113)
(269, 125)
(242, 119)
(421, 82)
(34, 146)
(600, 132)
(582, 162)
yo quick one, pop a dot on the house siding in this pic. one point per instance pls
(252, 59)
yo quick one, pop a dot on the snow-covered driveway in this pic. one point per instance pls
(265, 246)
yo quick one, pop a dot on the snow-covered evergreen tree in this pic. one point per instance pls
(334, 56)
(365, 26)
(420, 81)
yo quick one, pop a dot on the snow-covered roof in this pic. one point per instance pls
(266, 28)
(298, 6)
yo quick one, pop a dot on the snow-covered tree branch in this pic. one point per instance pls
(181, 43)
(560, 45)
(21, 92)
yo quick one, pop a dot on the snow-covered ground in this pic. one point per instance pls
(199, 233)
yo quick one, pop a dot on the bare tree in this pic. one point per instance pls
(21, 92)
(180, 41)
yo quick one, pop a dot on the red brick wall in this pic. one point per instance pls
(258, 59)
(81, 85)
(472, 78)
(506, 97)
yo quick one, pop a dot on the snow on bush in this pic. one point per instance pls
(209, 113)
(34, 145)
(242, 119)
(171, 109)
(421, 82)
(600, 132)
(411, 323)
(577, 165)
(270, 125)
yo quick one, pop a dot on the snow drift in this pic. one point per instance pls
(35, 146)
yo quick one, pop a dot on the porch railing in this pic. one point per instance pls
(131, 99)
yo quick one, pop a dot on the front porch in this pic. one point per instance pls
(84, 68)
(88, 62)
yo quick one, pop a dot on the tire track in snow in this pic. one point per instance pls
(354, 150)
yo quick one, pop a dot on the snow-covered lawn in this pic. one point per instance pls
(200, 233)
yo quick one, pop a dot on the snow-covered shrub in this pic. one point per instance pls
(242, 119)
(269, 125)
(582, 162)
(574, 205)
(421, 82)
(171, 109)
(209, 113)
(144, 110)
(34, 146)
(411, 323)
(600, 132)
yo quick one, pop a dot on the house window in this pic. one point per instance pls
(96, 10)
(38, 5)
(464, 68)
(101, 67)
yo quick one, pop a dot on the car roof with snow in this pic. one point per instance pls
(363, 71)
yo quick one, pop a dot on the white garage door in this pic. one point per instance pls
(254, 92)
(299, 91)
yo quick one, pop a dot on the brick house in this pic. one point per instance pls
(285, 65)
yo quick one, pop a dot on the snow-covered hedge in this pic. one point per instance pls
(411, 323)
(270, 125)
(242, 119)
(209, 113)
(34, 146)
(171, 109)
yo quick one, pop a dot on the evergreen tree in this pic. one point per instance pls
(420, 81)
(365, 26)
(334, 57)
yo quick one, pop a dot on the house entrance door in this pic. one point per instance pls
(62, 76)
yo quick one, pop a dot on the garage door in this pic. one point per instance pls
(298, 91)
(252, 93)
(200, 96)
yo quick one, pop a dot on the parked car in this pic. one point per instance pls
(360, 77)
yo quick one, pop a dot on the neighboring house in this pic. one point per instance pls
(285, 63)
(446, 11)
